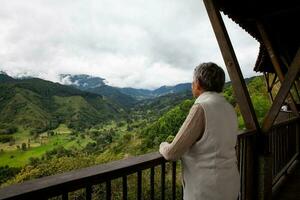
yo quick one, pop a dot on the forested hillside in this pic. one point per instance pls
(42, 105)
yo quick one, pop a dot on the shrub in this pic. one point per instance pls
(6, 138)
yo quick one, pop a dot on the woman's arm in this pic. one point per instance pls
(191, 130)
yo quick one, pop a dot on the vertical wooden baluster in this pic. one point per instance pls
(152, 183)
(163, 170)
(245, 166)
(286, 136)
(241, 165)
(297, 137)
(174, 180)
(282, 144)
(249, 168)
(65, 196)
(124, 182)
(280, 149)
(139, 185)
(108, 190)
(289, 143)
(243, 169)
(276, 150)
(279, 152)
(88, 192)
(293, 140)
(238, 154)
(273, 152)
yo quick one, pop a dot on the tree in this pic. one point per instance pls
(24, 146)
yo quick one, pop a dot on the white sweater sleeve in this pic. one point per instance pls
(191, 130)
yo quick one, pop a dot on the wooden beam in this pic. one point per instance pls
(233, 68)
(290, 77)
(269, 88)
(275, 61)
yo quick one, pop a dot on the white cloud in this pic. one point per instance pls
(137, 43)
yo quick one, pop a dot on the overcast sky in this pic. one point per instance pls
(136, 43)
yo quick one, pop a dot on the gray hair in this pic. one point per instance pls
(210, 76)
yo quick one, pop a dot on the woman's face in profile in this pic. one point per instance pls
(196, 88)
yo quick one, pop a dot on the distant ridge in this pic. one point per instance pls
(42, 105)
(97, 85)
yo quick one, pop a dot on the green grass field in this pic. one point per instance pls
(14, 157)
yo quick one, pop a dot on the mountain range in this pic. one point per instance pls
(97, 84)
(41, 105)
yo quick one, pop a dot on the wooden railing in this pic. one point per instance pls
(62, 185)
(246, 158)
(284, 146)
(150, 176)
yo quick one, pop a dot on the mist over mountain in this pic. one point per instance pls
(81, 81)
(97, 85)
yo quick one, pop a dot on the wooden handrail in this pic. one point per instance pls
(76, 179)
(285, 122)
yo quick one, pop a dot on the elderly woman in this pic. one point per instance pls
(206, 141)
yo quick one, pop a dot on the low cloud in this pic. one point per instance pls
(133, 43)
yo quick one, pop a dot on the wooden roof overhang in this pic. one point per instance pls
(274, 25)
(281, 22)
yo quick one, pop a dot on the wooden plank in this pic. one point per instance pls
(249, 171)
(174, 180)
(275, 61)
(88, 192)
(291, 75)
(65, 196)
(163, 180)
(124, 187)
(139, 185)
(233, 68)
(152, 183)
(108, 190)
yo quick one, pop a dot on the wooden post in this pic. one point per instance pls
(233, 68)
(264, 183)
(275, 61)
(291, 75)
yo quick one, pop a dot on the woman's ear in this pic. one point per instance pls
(198, 85)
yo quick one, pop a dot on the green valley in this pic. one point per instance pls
(48, 128)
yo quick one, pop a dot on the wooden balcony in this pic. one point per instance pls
(151, 171)
(266, 153)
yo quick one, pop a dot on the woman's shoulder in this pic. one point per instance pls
(197, 105)
(197, 108)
